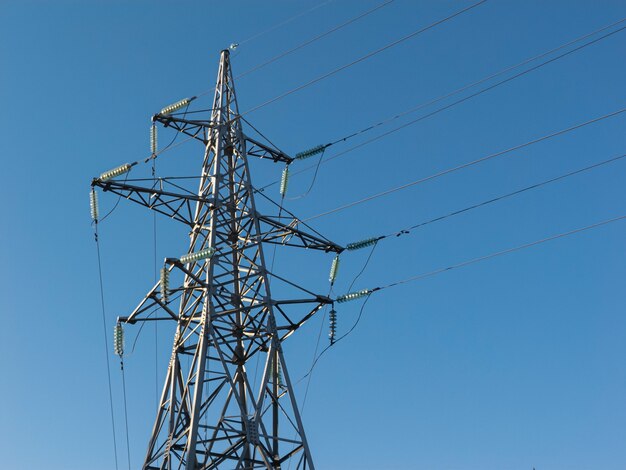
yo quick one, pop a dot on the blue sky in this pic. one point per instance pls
(511, 364)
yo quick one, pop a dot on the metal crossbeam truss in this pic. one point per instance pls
(210, 414)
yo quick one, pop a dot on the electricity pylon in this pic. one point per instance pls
(209, 415)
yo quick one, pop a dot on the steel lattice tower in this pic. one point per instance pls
(209, 415)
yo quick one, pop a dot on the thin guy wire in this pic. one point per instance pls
(466, 165)
(362, 58)
(500, 253)
(106, 340)
(455, 103)
(312, 40)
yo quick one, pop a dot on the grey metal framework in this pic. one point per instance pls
(209, 415)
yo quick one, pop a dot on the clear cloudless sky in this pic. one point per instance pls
(510, 364)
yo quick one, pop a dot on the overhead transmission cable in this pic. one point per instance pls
(282, 23)
(499, 253)
(473, 84)
(447, 95)
(467, 164)
(312, 40)
(373, 241)
(94, 214)
(517, 192)
(366, 293)
(362, 58)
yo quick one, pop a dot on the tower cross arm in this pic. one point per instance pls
(194, 128)
(178, 206)
(290, 235)
(260, 150)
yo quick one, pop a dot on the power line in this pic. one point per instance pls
(499, 253)
(473, 84)
(106, 340)
(455, 103)
(366, 56)
(283, 23)
(407, 230)
(368, 292)
(125, 410)
(314, 39)
(466, 165)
